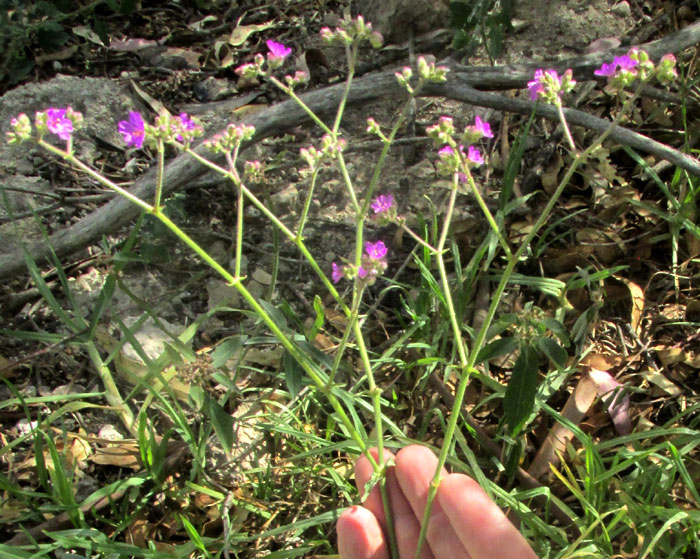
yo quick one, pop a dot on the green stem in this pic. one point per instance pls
(236, 283)
(351, 55)
(567, 132)
(289, 91)
(416, 238)
(69, 157)
(307, 206)
(299, 243)
(469, 367)
(233, 174)
(159, 177)
(112, 394)
(354, 313)
(485, 210)
(376, 396)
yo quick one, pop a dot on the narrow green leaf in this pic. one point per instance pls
(225, 350)
(513, 164)
(293, 374)
(501, 346)
(519, 400)
(221, 420)
(320, 317)
(554, 352)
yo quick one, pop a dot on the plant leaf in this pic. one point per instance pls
(519, 400)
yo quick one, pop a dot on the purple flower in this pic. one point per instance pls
(535, 86)
(133, 130)
(483, 127)
(58, 124)
(383, 203)
(278, 50)
(474, 155)
(445, 151)
(361, 273)
(375, 251)
(625, 63)
(607, 70)
(186, 122)
(338, 272)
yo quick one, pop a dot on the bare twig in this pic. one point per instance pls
(463, 84)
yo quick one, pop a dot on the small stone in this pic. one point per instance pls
(622, 9)
(110, 433)
(285, 199)
(261, 276)
(221, 293)
(422, 170)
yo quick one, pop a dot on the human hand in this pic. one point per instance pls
(464, 522)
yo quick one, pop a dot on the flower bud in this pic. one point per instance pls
(21, 129)
(666, 69)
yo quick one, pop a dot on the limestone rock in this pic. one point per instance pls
(395, 19)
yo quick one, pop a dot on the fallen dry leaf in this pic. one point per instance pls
(241, 33)
(616, 401)
(575, 409)
(123, 454)
(637, 311)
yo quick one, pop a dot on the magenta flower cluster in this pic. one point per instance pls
(625, 63)
(133, 130)
(458, 154)
(548, 86)
(276, 54)
(373, 265)
(382, 204)
(182, 128)
(473, 155)
(58, 123)
(455, 155)
(636, 64)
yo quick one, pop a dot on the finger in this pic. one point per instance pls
(415, 468)
(485, 531)
(406, 525)
(360, 536)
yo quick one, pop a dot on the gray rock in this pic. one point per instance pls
(622, 9)
(103, 103)
(395, 19)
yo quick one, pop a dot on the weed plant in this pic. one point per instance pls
(620, 491)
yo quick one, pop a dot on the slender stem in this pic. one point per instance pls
(307, 205)
(289, 91)
(349, 186)
(354, 314)
(469, 367)
(284, 340)
(416, 238)
(159, 176)
(95, 175)
(351, 55)
(567, 132)
(376, 396)
(299, 243)
(231, 160)
(112, 394)
(485, 210)
(461, 350)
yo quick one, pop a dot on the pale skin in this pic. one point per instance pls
(464, 523)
